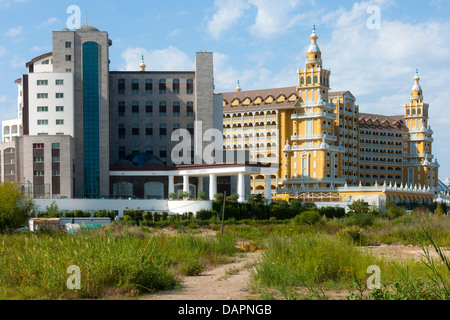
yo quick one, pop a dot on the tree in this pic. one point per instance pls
(358, 207)
(52, 211)
(173, 195)
(202, 194)
(233, 197)
(439, 210)
(15, 207)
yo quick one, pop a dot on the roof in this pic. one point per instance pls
(43, 56)
(394, 123)
(229, 97)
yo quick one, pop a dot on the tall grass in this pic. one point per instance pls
(312, 259)
(34, 266)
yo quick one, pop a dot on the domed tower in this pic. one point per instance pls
(420, 139)
(314, 156)
(238, 87)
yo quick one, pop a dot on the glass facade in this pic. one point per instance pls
(91, 104)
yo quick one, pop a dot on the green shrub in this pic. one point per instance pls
(308, 217)
(332, 212)
(354, 234)
(205, 214)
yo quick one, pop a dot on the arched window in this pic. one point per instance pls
(408, 112)
(122, 189)
(154, 190)
(315, 79)
(308, 80)
(413, 111)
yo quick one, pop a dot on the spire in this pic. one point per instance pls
(238, 88)
(417, 86)
(314, 47)
(142, 66)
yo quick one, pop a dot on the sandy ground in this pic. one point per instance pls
(225, 282)
(232, 282)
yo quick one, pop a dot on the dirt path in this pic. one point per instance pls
(225, 282)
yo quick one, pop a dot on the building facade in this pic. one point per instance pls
(324, 144)
(85, 131)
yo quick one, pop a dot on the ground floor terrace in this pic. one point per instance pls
(377, 195)
(162, 182)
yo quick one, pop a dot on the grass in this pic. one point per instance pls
(123, 260)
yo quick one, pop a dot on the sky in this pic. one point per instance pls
(371, 47)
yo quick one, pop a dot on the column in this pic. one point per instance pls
(186, 183)
(171, 184)
(212, 186)
(200, 185)
(241, 187)
(268, 188)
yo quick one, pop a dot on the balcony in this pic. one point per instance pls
(313, 137)
(328, 115)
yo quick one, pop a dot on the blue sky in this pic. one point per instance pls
(260, 42)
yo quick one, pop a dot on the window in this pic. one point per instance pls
(162, 109)
(42, 95)
(149, 150)
(176, 86)
(56, 159)
(42, 82)
(190, 86)
(121, 109)
(56, 173)
(42, 109)
(149, 108)
(163, 153)
(68, 44)
(190, 109)
(149, 131)
(176, 109)
(59, 109)
(68, 57)
(122, 152)
(148, 86)
(59, 122)
(68, 70)
(121, 86)
(59, 82)
(59, 95)
(190, 128)
(176, 126)
(163, 130)
(46, 62)
(135, 108)
(122, 131)
(135, 150)
(38, 159)
(162, 86)
(135, 86)
(38, 146)
(135, 131)
(42, 122)
(38, 173)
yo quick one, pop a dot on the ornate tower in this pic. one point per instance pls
(420, 168)
(312, 156)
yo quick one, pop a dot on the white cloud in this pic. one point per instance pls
(51, 20)
(273, 17)
(228, 13)
(174, 33)
(170, 59)
(14, 32)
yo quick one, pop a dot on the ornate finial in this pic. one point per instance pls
(142, 66)
(314, 28)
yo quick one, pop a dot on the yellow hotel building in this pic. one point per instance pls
(326, 149)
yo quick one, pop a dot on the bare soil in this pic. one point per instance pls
(232, 282)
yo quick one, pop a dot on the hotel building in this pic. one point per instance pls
(327, 149)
